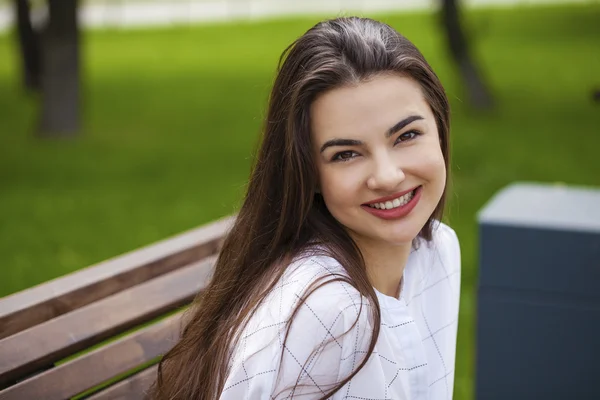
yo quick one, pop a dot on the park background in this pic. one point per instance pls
(172, 112)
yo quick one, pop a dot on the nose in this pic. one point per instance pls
(386, 175)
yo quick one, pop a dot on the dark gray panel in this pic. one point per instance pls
(540, 259)
(536, 350)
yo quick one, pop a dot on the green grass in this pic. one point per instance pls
(172, 117)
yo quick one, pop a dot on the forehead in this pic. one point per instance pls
(366, 108)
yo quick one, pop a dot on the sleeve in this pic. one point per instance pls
(327, 339)
(447, 340)
(448, 251)
(453, 258)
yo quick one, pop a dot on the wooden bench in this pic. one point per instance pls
(98, 333)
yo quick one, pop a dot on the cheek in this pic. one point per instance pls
(339, 188)
(436, 167)
(429, 162)
(433, 170)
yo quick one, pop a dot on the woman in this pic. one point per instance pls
(337, 279)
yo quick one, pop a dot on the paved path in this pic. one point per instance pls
(131, 13)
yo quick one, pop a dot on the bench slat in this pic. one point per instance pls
(42, 345)
(78, 375)
(48, 300)
(134, 387)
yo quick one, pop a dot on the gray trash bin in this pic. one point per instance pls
(538, 316)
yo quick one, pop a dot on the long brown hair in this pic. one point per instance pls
(281, 213)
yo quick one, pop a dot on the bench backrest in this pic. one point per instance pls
(100, 331)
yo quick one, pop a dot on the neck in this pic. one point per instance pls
(385, 264)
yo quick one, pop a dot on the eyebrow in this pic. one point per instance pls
(402, 124)
(352, 142)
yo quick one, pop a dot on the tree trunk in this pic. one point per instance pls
(477, 91)
(29, 46)
(60, 76)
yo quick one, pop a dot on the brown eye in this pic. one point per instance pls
(344, 155)
(407, 136)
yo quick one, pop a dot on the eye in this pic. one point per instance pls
(410, 135)
(344, 155)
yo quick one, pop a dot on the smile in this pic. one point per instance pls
(394, 207)
(398, 202)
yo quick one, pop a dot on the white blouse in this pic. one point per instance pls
(413, 357)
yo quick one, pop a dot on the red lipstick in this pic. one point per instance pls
(396, 212)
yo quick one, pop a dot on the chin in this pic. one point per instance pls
(397, 236)
(401, 238)
(407, 230)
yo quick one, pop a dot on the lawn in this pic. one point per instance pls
(172, 117)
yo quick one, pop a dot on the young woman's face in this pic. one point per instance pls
(377, 150)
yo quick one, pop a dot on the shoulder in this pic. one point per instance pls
(318, 284)
(443, 247)
(331, 327)
(302, 334)
(439, 258)
(313, 292)
(315, 302)
(446, 257)
(446, 242)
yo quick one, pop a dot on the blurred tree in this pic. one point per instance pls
(29, 46)
(478, 93)
(60, 72)
(51, 65)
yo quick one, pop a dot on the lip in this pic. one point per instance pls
(398, 212)
(391, 197)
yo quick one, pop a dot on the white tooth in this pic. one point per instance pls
(396, 202)
(382, 206)
(388, 205)
(376, 205)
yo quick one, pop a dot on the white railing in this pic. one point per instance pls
(131, 13)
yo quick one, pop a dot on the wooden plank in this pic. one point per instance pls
(41, 303)
(78, 375)
(40, 346)
(134, 387)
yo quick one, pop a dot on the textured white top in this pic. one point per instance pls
(414, 354)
